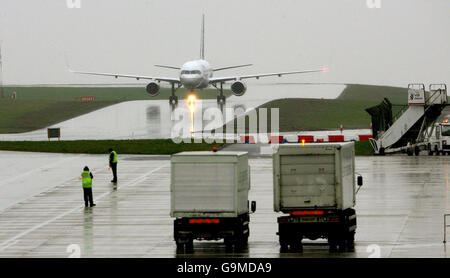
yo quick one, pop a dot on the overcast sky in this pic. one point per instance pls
(403, 41)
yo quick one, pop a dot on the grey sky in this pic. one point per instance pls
(403, 41)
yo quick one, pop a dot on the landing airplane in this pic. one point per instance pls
(198, 74)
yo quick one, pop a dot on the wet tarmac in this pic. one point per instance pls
(399, 208)
(154, 119)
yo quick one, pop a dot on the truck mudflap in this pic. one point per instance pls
(235, 231)
(337, 226)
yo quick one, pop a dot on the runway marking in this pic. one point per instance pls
(14, 239)
(47, 189)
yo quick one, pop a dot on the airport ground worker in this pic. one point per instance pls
(86, 180)
(113, 163)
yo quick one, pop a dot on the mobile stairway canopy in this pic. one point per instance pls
(412, 124)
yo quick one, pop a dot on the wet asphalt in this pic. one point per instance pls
(399, 209)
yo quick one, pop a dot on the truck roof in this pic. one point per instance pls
(204, 153)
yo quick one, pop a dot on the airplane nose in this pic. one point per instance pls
(190, 82)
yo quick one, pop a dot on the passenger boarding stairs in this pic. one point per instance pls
(413, 123)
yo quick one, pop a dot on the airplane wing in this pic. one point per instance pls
(137, 77)
(257, 76)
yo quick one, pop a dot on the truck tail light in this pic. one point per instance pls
(334, 219)
(202, 221)
(307, 212)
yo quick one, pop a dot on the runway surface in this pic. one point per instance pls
(154, 119)
(400, 208)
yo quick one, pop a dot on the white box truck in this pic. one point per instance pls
(315, 185)
(439, 141)
(209, 197)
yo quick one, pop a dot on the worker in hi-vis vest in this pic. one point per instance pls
(113, 163)
(86, 180)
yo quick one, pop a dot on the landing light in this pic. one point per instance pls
(191, 101)
(191, 104)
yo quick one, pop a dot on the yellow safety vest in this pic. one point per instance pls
(115, 156)
(86, 179)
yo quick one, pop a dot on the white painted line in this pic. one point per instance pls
(14, 239)
(47, 189)
(10, 244)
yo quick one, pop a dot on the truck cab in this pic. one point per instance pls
(439, 142)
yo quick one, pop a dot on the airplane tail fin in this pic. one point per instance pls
(202, 39)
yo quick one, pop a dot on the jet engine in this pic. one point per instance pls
(153, 89)
(238, 88)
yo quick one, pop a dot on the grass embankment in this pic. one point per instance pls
(39, 107)
(26, 115)
(163, 146)
(363, 148)
(297, 114)
(157, 146)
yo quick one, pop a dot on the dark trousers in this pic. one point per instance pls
(114, 170)
(88, 196)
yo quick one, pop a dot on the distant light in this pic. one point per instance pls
(446, 121)
(325, 69)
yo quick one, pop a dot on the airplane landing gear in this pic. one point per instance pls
(221, 100)
(173, 99)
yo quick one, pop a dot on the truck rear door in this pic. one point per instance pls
(307, 181)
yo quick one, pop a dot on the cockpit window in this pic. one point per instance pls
(190, 72)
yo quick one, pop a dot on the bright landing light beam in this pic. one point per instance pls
(191, 104)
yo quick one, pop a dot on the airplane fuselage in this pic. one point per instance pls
(196, 74)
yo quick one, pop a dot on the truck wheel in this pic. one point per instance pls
(297, 246)
(409, 151)
(284, 247)
(416, 151)
(332, 242)
(190, 245)
(351, 241)
(436, 150)
(180, 246)
(228, 244)
(342, 244)
(333, 247)
(245, 240)
(241, 242)
(381, 151)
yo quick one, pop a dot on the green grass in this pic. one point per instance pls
(26, 115)
(363, 148)
(39, 107)
(116, 94)
(371, 93)
(297, 114)
(163, 146)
